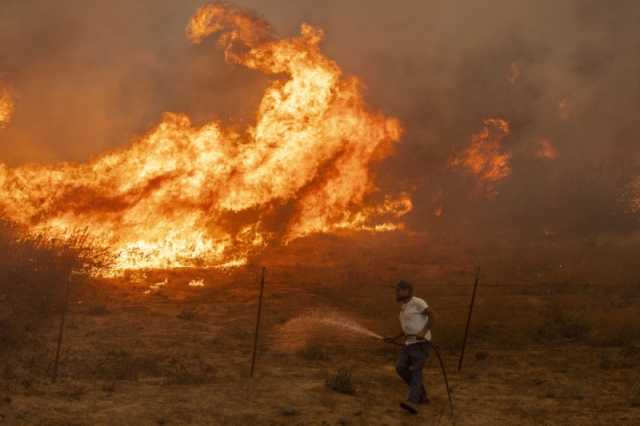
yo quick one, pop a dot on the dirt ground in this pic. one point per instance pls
(153, 350)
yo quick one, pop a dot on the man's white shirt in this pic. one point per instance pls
(413, 321)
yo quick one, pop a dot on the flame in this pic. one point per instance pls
(564, 108)
(485, 157)
(630, 196)
(196, 283)
(514, 73)
(6, 108)
(546, 150)
(209, 196)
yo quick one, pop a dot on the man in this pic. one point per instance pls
(416, 320)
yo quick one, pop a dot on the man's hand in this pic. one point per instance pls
(393, 339)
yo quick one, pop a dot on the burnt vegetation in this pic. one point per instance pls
(34, 272)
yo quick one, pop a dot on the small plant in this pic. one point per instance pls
(342, 382)
(482, 355)
(605, 362)
(314, 352)
(122, 365)
(564, 326)
(98, 310)
(634, 400)
(35, 270)
(109, 387)
(188, 314)
(289, 412)
(181, 373)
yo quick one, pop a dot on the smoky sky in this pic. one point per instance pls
(89, 76)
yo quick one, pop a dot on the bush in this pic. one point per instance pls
(188, 314)
(315, 352)
(122, 365)
(342, 382)
(98, 310)
(564, 326)
(188, 371)
(34, 271)
(634, 400)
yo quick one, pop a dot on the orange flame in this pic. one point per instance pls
(546, 150)
(514, 73)
(630, 196)
(6, 108)
(209, 196)
(485, 157)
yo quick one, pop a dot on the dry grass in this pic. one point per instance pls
(315, 352)
(34, 270)
(564, 324)
(124, 365)
(342, 382)
(177, 365)
(634, 399)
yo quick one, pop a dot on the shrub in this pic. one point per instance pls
(342, 382)
(188, 314)
(98, 310)
(188, 371)
(34, 271)
(634, 400)
(564, 325)
(122, 365)
(315, 352)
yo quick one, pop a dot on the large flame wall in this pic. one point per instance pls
(185, 195)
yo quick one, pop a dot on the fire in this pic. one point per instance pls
(564, 108)
(546, 150)
(6, 108)
(514, 73)
(630, 196)
(209, 196)
(485, 157)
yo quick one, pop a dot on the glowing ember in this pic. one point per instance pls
(196, 283)
(630, 196)
(546, 150)
(485, 157)
(157, 286)
(514, 73)
(209, 196)
(564, 108)
(6, 108)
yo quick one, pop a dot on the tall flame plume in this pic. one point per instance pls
(209, 196)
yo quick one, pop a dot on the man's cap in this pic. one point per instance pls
(404, 285)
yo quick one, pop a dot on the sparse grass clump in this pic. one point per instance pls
(564, 325)
(342, 382)
(123, 365)
(314, 352)
(34, 271)
(626, 335)
(188, 371)
(188, 314)
(98, 310)
(634, 399)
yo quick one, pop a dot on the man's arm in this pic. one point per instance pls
(393, 338)
(428, 312)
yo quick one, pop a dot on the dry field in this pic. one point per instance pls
(135, 353)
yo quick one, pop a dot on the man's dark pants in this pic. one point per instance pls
(409, 366)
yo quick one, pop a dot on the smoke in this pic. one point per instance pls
(96, 74)
(90, 76)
